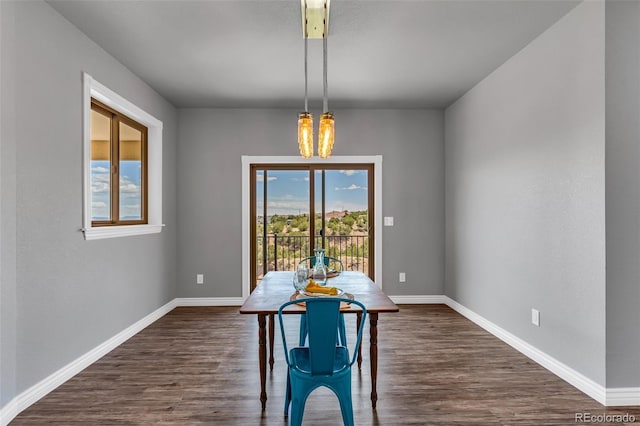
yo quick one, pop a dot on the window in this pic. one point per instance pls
(122, 166)
(285, 197)
(118, 168)
(247, 161)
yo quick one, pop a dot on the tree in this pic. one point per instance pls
(277, 228)
(349, 221)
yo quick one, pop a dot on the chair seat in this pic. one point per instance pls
(300, 359)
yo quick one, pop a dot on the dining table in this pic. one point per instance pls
(276, 288)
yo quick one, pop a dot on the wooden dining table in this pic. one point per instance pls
(276, 288)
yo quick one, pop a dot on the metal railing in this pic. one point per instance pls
(284, 252)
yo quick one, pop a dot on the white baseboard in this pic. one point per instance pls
(419, 300)
(623, 397)
(9, 412)
(209, 301)
(42, 388)
(578, 380)
(24, 400)
(608, 397)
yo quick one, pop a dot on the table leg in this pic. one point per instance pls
(358, 321)
(373, 323)
(262, 356)
(271, 338)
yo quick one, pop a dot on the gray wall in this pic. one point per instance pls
(212, 142)
(623, 198)
(70, 294)
(7, 206)
(525, 210)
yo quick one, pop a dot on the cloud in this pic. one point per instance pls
(340, 206)
(101, 184)
(130, 210)
(351, 187)
(350, 172)
(128, 187)
(260, 178)
(100, 180)
(99, 210)
(100, 187)
(288, 204)
(101, 177)
(130, 192)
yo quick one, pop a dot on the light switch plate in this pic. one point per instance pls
(388, 221)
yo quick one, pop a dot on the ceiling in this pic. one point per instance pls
(381, 53)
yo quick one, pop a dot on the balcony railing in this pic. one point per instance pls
(284, 252)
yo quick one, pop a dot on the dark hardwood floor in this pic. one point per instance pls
(199, 366)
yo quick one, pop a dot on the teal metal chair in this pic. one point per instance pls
(322, 362)
(342, 336)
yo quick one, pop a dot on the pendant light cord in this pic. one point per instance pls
(306, 38)
(325, 100)
(306, 100)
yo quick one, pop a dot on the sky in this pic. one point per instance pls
(288, 191)
(130, 190)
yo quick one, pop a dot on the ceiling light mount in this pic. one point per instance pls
(315, 18)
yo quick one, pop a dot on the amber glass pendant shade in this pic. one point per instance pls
(305, 134)
(326, 135)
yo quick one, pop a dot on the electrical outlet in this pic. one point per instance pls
(200, 279)
(402, 277)
(535, 317)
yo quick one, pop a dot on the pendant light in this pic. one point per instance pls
(316, 18)
(305, 119)
(326, 132)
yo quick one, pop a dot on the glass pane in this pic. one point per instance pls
(285, 226)
(100, 167)
(347, 217)
(130, 173)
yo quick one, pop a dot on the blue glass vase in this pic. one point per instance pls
(319, 273)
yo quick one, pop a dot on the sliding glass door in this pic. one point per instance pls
(285, 198)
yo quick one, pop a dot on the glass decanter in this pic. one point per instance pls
(301, 277)
(319, 273)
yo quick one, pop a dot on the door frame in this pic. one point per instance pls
(247, 160)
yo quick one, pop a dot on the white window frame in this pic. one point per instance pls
(93, 89)
(246, 216)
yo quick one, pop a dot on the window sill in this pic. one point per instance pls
(102, 232)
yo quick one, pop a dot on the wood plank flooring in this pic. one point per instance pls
(199, 366)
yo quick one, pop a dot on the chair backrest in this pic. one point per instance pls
(322, 325)
(322, 314)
